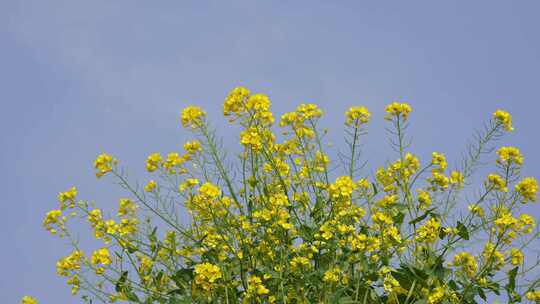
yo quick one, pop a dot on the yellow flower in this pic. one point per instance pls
(206, 275)
(467, 262)
(69, 263)
(493, 256)
(152, 162)
(173, 159)
(391, 235)
(387, 201)
(251, 138)
(397, 109)
(533, 295)
(381, 218)
(332, 275)
(390, 283)
(327, 230)
(290, 119)
(104, 163)
(528, 189)
(436, 295)
(256, 287)
(439, 159)
(386, 179)
(457, 178)
(497, 182)
(75, 283)
(266, 118)
(357, 116)
(509, 155)
(209, 190)
(188, 183)
(475, 209)
(28, 300)
(527, 223)
(127, 226)
(411, 164)
(101, 256)
(126, 207)
(192, 116)
(193, 147)
(429, 232)
(506, 220)
(53, 217)
(234, 103)
(258, 103)
(145, 263)
(299, 262)
(503, 118)
(424, 199)
(342, 188)
(68, 196)
(94, 216)
(438, 181)
(516, 256)
(309, 111)
(360, 242)
(150, 186)
(321, 161)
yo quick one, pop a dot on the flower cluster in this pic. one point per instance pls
(503, 118)
(283, 223)
(100, 258)
(192, 116)
(527, 189)
(509, 156)
(357, 116)
(206, 276)
(28, 300)
(104, 163)
(397, 109)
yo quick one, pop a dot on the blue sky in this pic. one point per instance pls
(79, 78)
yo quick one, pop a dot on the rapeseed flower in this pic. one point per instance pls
(397, 109)
(206, 275)
(28, 300)
(192, 116)
(67, 197)
(235, 102)
(509, 155)
(104, 163)
(527, 189)
(357, 116)
(503, 118)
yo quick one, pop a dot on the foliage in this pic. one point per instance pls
(282, 224)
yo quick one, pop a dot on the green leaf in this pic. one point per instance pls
(182, 300)
(512, 278)
(463, 232)
(400, 207)
(120, 284)
(375, 191)
(398, 219)
(131, 296)
(183, 275)
(439, 270)
(406, 274)
(421, 217)
(481, 294)
(306, 232)
(513, 296)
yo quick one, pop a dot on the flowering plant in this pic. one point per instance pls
(282, 224)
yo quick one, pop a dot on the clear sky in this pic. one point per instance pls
(82, 77)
